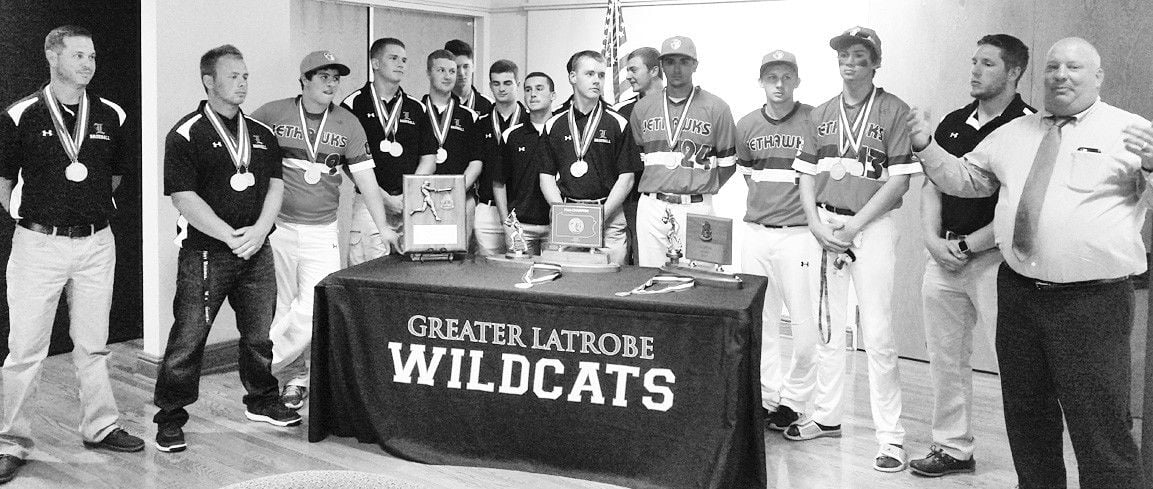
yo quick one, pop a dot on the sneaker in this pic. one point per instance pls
(808, 429)
(294, 396)
(273, 413)
(939, 463)
(170, 438)
(890, 458)
(118, 441)
(9, 466)
(782, 418)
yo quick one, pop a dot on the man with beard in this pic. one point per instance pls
(960, 284)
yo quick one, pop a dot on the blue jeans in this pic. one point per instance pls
(204, 280)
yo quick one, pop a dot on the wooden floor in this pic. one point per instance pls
(225, 448)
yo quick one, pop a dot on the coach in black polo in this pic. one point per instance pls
(68, 149)
(400, 140)
(598, 161)
(222, 169)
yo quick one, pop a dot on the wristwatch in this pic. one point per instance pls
(963, 246)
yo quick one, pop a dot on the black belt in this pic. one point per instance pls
(677, 198)
(785, 226)
(78, 231)
(836, 210)
(586, 201)
(1046, 285)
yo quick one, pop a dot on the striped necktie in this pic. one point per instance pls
(1036, 185)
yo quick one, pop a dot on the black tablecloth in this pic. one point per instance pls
(546, 395)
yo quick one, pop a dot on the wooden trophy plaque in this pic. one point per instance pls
(434, 217)
(708, 241)
(576, 239)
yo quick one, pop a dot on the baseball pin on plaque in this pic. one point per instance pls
(708, 248)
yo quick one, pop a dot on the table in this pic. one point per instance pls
(448, 363)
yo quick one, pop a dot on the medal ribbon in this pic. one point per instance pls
(529, 280)
(581, 141)
(496, 121)
(670, 133)
(312, 146)
(389, 121)
(852, 136)
(440, 128)
(74, 140)
(677, 283)
(240, 148)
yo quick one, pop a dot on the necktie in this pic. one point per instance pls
(1033, 193)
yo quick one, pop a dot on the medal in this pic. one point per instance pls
(239, 182)
(671, 134)
(395, 149)
(71, 141)
(581, 141)
(851, 136)
(239, 148)
(389, 120)
(838, 171)
(578, 168)
(312, 176)
(76, 172)
(440, 126)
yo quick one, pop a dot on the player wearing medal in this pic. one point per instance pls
(518, 163)
(400, 140)
(68, 149)
(223, 171)
(492, 201)
(589, 156)
(688, 140)
(459, 139)
(317, 141)
(852, 175)
(777, 243)
(643, 72)
(463, 88)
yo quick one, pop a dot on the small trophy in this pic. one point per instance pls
(674, 237)
(577, 237)
(519, 249)
(709, 242)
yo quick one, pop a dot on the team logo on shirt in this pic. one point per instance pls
(456, 125)
(405, 118)
(257, 143)
(826, 128)
(98, 127)
(876, 132)
(774, 141)
(291, 131)
(602, 137)
(48, 133)
(695, 126)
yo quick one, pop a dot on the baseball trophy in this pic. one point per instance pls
(674, 237)
(708, 248)
(577, 239)
(518, 252)
(434, 217)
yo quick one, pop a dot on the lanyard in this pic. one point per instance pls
(440, 127)
(312, 146)
(529, 280)
(851, 136)
(240, 148)
(74, 140)
(581, 141)
(496, 122)
(675, 134)
(672, 283)
(389, 120)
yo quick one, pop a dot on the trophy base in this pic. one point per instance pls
(706, 277)
(511, 259)
(580, 261)
(440, 256)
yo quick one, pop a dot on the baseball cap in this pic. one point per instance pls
(779, 56)
(322, 59)
(679, 45)
(858, 35)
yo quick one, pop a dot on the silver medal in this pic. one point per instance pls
(250, 179)
(396, 150)
(578, 168)
(312, 176)
(838, 171)
(386, 146)
(239, 182)
(441, 156)
(76, 172)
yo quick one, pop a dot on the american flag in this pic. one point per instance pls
(614, 39)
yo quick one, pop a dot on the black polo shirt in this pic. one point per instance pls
(518, 163)
(196, 160)
(492, 149)
(30, 149)
(412, 132)
(465, 140)
(612, 153)
(479, 103)
(955, 135)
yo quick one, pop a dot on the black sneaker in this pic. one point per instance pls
(782, 418)
(170, 438)
(9, 466)
(273, 413)
(939, 463)
(118, 441)
(294, 396)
